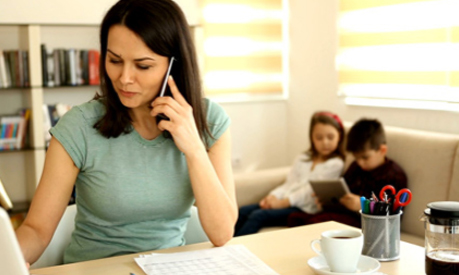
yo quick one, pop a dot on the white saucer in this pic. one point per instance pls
(366, 266)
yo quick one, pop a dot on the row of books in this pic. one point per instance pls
(69, 67)
(14, 68)
(13, 130)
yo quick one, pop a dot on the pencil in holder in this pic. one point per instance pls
(381, 236)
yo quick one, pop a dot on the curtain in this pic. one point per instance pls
(399, 52)
(243, 47)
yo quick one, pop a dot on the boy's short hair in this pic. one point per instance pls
(365, 134)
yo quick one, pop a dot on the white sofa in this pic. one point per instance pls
(430, 160)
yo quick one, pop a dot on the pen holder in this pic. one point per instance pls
(381, 236)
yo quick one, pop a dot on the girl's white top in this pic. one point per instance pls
(297, 187)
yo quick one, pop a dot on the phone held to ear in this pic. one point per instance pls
(160, 117)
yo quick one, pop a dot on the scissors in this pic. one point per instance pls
(402, 198)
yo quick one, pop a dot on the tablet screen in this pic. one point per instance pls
(329, 191)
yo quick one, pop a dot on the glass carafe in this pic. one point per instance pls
(441, 223)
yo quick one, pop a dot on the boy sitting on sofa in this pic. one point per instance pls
(370, 172)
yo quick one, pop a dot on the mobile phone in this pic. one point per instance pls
(160, 117)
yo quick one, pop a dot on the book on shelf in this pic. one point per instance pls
(44, 65)
(93, 62)
(25, 68)
(13, 130)
(84, 67)
(61, 59)
(5, 76)
(24, 125)
(70, 67)
(14, 68)
(56, 71)
(5, 200)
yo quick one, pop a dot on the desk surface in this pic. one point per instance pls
(286, 251)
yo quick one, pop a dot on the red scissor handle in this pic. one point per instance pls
(400, 193)
(383, 191)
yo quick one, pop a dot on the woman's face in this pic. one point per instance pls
(136, 71)
(325, 138)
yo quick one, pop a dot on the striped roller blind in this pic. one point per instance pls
(401, 53)
(243, 46)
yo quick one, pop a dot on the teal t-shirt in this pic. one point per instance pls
(132, 194)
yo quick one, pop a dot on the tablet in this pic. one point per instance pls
(329, 191)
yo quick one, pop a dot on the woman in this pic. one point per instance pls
(134, 186)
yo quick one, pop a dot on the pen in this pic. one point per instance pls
(372, 207)
(403, 198)
(367, 206)
(362, 204)
(381, 208)
(374, 196)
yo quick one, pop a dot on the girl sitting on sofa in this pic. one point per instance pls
(324, 160)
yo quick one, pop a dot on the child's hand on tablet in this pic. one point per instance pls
(351, 202)
(317, 202)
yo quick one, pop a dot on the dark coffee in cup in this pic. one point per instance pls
(342, 237)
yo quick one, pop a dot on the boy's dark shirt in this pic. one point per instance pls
(362, 183)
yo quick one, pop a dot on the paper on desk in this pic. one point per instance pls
(227, 260)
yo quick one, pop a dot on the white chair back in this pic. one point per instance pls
(54, 253)
(194, 232)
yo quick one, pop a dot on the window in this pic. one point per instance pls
(399, 53)
(244, 48)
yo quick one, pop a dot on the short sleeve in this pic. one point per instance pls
(70, 132)
(217, 120)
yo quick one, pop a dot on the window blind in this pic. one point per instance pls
(399, 53)
(243, 47)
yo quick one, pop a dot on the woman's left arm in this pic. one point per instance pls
(210, 172)
(213, 186)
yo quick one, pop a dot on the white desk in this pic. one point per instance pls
(286, 251)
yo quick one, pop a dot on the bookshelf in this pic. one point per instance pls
(26, 25)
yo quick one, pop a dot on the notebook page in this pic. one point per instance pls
(227, 260)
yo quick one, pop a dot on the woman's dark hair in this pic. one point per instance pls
(328, 119)
(161, 24)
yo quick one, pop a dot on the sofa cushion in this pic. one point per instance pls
(251, 187)
(427, 159)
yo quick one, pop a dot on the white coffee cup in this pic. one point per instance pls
(341, 249)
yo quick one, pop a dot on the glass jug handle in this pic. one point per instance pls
(423, 217)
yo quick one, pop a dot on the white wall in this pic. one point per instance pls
(314, 41)
(259, 134)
